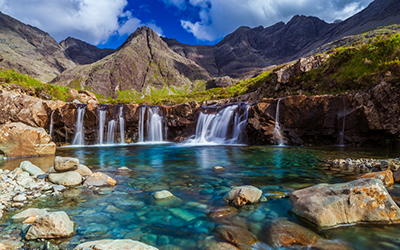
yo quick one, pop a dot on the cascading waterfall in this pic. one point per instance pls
(122, 124)
(79, 138)
(51, 124)
(141, 123)
(278, 135)
(154, 125)
(110, 132)
(216, 128)
(102, 122)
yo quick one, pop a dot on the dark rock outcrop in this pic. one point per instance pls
(82, 53)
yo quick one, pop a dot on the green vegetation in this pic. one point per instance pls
(12, 79)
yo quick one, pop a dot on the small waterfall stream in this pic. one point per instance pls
(102, 122)
(51, 124)
(154, 125)
(112, 125)
(278, 135)
(79, 138)
(141, 123)
(121, 124)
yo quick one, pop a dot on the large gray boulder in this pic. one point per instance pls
(114, 245)
(33, 170)
(329, 205)
(51, 226)
(243, 195)
(70, 178)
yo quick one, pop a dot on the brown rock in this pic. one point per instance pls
(385, 176)
(236, 235)
(219, 169)
(243, 195)
(30, 220)
(99, 180)
(51, 226)
(223, 212)
(221, 246)
(30, 212)
(20, 140)
(362, 200)
(64, 164)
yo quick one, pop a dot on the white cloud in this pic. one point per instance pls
(93, 21)
(221, 17)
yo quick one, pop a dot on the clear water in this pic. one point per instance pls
(128, 211)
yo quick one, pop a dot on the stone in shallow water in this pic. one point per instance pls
(114, 245)
(99, 180)
(222, 246)
(385, 176)
(219, 169)
(243, 195)
(164, 194)
(223, 212)
(29, 213)
(236, 235)
(71, 178)
(64, 164)
(362, 200)
(30, 168)
(51, 226)
(84, 170)
(183, 214)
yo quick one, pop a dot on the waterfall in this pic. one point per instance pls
(110, 132)
(154, 125)
(141, 123)
(102, 122)
(278, 135)
(79, 138)
(122, 124)
(51, 124)
(217, 129)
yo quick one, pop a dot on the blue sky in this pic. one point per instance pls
(107, 23)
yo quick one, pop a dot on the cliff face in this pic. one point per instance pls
(30, 50)
(143, 60)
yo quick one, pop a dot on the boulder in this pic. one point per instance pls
(70, 178)
(33, 170)
(30, 212)
(329, 205)
(100, 180)
(51, 226)
(84, 170)
(20, 140)
(385, 176)
(236, 235)
(114, 245)
(243, 195)
(64, 164)
(164, 194)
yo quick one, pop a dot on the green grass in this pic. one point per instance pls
(27, 83)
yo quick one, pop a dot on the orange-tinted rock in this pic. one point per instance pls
(385, 176)
(223, 212)
(99, 179)
(236, 235)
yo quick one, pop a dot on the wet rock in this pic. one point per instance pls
(84, 170)
(271, 195)
(243, 195)
(71, 178)
(19, 198)
(362, 200)
(222, 246)
(114, 245)
(30, 212)
(164, 194)
(329, 245)
(283, 233)
(30, 168)
(385, 176)
(236, 235)
(183, 214)
(10, 245)
(218, 169)
(223, 212)
(99, 180)
(396, 176)
(64, 164)
(20, 140)
(51, 226)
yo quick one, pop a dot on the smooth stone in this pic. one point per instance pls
(223, 212)
(71, 178)
(51, 226)
(99, 180)
(385, 176)
(19, 198)
(221, 246)
(84, 170)
(236, 235)
(183, 214)
(164, 194)
(243, 195)
(65, 164)
(10, 245)
(329, 205)
(114, 245)
(30, 168)
(218, 169)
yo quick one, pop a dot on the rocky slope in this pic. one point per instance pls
(82, 53)
(143, 60)
(30, 50)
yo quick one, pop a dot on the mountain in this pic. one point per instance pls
(249, 51)
(82, 53)
(143, 60)
(30, 50)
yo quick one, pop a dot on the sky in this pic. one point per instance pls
(107, 23)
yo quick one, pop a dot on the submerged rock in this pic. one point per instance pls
(223, 212)
(114, 245)
(30, 212)
(64, 164)
(30, 168)
(164, 194)
(385, 176)
(51, 226)
(100, 180)
(236, 235)
(243, 195)
(71, 178)
(222, 246)
(329, 205)
(219, 169)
